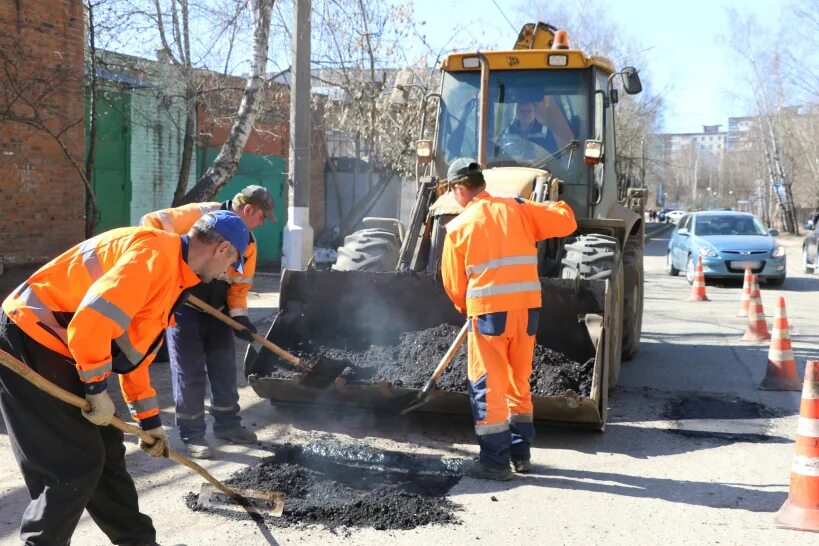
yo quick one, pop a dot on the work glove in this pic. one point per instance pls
(160, 446)
(247, 333)
(102, 408)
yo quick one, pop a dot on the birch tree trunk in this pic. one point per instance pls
(227, 162)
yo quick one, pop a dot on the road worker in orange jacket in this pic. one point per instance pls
(489, 270)
(100, 307)
(200, 347)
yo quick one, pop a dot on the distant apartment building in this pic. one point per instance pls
(674, 145)
(740, 133)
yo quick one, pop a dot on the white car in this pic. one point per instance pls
(674, 216)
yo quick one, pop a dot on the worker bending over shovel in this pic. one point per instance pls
(99, 307)
(489, 270)
(200, 347)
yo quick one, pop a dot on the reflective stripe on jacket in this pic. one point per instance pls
(105, 304)
(489, 261)
(179, 220)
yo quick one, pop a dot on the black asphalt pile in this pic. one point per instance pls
(355, 487)
(410, 363)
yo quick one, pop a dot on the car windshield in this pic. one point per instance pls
(536, 119)
(729, 225)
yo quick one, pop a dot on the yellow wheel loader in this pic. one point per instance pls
(540, 120)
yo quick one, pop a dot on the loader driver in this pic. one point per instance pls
(98, 308)
(201, 347)
(489, 271)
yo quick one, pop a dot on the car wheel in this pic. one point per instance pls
(806, 267)
(669, 265)
(690, 269)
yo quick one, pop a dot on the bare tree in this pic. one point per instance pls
(359, 49)
(638, 116)
(764, 74)
(227, 162)
(198, 43)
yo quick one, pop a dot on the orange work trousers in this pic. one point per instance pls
(501, 348)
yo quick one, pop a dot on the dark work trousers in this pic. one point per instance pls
(68, 463)
(201, 348)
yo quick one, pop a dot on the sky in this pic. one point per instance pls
(688, 61)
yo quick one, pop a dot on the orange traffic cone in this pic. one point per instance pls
(698, 288)
(801, 510)
(757, 329)
(746, 293)
(781, 372)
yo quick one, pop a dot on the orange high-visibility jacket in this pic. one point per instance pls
(489, 261)
(106, 303)
(180, 219)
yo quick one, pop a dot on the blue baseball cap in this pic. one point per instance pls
(233, 229)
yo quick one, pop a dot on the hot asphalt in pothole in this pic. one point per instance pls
(351, 486)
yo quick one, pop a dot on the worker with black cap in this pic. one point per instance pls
(201, 348)
(489, 271)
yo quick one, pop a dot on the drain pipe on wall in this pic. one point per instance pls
(298, 235)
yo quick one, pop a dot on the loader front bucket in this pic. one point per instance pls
(352, 310)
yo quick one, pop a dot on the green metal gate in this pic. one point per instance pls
(110, 177)
(262, 170)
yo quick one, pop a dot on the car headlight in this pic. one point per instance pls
(708, 251)
(778, 252)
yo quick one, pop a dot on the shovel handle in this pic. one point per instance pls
(217, 314)
(447, 358)
(77, 401)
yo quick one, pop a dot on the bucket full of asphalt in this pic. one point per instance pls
(410, 362)
(348, 486)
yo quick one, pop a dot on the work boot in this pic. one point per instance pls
(522, 466)
(477, 469)
(236, 435)
(197, 448)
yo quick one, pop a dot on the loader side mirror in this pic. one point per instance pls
(401, 87)
(631, 80)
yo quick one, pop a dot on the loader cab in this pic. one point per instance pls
(539, 117)
(534, 121)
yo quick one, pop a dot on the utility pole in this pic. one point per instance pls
(298, 235)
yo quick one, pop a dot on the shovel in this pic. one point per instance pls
(255, 502)
(423, 397)
(320, 375)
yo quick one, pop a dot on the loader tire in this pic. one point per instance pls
(372, 249)
(634, 282)
(597, 257)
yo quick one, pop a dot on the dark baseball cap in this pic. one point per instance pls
(465, 170)
(260, 197)
(233, 229)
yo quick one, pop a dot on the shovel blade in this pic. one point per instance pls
(265, 503)
(324, 372)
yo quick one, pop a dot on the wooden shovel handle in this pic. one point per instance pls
(212, 311)
(447, 358)
(77, 401)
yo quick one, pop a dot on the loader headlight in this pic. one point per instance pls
(708, 251)
(778, 252)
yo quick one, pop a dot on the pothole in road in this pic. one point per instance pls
(731, 419)
(352, 486)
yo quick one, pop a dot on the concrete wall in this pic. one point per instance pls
(157, 132)
(42, 196)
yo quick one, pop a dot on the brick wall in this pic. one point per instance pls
(157, 133)
(43, 200)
